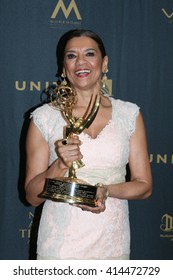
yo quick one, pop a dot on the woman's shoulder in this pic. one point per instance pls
(46, 118)
(45, 112)
(42, 109)
(46, 115)
(122, 105)
(126, 112)
(123, 108)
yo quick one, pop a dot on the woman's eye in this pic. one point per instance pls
(70, 56)
(90, 54)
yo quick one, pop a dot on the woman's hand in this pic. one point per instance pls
(69, 151)
(101, 197)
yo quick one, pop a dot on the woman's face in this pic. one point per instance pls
(83, 63)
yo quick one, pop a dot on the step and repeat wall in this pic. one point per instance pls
(138, 36)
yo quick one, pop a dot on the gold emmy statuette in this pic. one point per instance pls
(71, 189)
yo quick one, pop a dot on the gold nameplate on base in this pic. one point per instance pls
(71, 189)
(63, 190)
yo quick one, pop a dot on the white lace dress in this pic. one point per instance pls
(67, 232)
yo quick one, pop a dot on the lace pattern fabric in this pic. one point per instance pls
(65, 231)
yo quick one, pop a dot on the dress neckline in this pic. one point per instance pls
(100, 133)
(103, 129)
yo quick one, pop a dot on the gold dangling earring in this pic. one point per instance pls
(104, 79)
(64, 82)
(104, 87)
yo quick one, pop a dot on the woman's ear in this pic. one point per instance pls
(105, 64)
(64, 72)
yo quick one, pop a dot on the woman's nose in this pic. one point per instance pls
(80, 59)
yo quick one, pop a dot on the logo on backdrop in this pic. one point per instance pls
(25, 233)
(161, 158)
(65, 15)
(168, 15)
(33, 86)
(167, 226)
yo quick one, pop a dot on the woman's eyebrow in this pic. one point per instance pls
(74, 51)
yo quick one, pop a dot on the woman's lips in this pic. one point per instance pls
(83, 72)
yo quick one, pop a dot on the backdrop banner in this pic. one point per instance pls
(138, 36)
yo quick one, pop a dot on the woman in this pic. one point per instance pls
(116, 137)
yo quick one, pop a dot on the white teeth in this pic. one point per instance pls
(82, 72)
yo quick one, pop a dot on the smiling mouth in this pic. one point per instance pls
(81, 72)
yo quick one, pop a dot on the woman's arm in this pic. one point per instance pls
(140, 186)
(37, 165)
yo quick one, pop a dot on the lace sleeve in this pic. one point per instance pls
(127, 113)
(40, 119)
(132, 111)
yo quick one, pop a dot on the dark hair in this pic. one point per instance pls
(68, 36)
